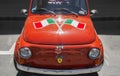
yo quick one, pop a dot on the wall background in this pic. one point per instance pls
(106, 8)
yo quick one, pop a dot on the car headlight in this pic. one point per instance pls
(94, 53)
(25, 52)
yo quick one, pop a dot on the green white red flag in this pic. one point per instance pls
(46, 22)
(43, 23)
(75, 24)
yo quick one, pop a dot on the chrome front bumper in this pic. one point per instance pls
(58, 72)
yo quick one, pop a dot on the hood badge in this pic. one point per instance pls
(59, 59)
(58, 49)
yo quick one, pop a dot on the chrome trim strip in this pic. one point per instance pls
(58, 72)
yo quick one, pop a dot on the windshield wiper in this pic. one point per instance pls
(65, 9)
(83, 11)
(44, 9)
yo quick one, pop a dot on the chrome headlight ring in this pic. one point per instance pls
(25, 52)
(94, 53)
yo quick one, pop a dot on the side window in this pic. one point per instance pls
(37, 4)
(83, 7)
(83, 4)
(34, 6)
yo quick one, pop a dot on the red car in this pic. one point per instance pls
(58, 38)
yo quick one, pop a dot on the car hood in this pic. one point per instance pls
(58, 30)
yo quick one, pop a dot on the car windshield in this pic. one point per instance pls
(76, 7)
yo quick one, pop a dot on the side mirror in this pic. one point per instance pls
(24, 11)
(93, 12)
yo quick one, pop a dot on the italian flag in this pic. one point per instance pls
(75, 24)
(43, 23)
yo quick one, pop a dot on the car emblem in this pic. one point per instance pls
(58, 49)
(59, 59)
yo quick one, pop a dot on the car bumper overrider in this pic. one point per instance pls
(58, 72)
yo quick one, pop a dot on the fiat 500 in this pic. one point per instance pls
(58, 38)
